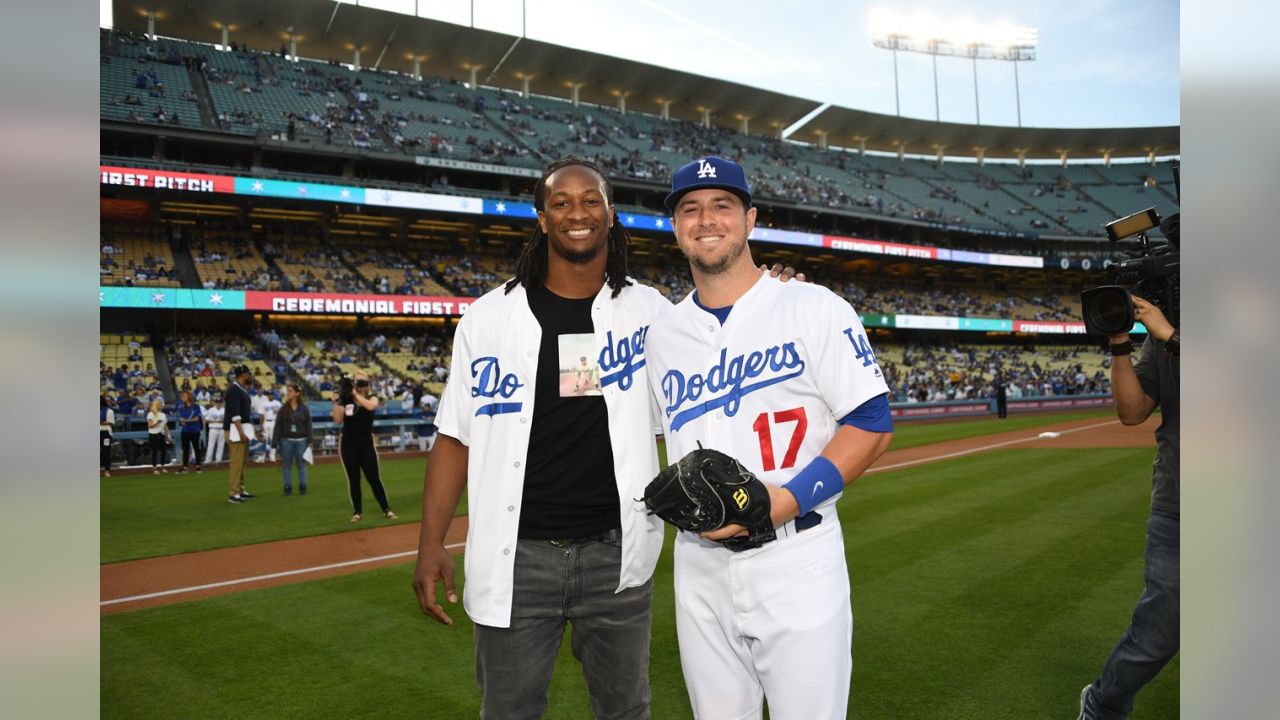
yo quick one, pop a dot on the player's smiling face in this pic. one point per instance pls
(577, 217)
(711, 227)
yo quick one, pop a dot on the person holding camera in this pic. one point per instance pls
(1152, 638)
(353, 410)
(106, 428)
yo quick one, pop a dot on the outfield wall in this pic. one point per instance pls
(969, 408)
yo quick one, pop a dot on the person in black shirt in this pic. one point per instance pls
(106, 423)
(353, 409)
(239, 432)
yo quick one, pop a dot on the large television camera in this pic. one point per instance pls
(346, 390)
(1151, 272)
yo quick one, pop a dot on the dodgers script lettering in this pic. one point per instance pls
(626, 357)
(729, 376)
(491, 383)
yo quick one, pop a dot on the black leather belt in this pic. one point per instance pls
(611, 535)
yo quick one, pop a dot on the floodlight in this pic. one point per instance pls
(957, 37)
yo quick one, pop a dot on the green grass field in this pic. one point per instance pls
(911, 434)
(150, 515)
(988, 586)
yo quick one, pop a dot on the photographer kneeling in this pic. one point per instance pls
(1151, 639)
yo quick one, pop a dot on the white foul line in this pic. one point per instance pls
(393, 556)
(272, 576)
(970, 451)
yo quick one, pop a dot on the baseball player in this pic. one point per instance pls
(270, 409)
(214, 446)
(782, 378)
(584, 380)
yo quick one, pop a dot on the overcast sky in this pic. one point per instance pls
(1100, 63)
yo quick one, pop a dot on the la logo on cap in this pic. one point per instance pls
(706, 169)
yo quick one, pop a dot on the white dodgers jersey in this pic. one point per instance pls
(769, 386)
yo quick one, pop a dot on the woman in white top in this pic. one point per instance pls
(157, 436)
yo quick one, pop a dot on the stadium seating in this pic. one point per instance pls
(225, 263)
(164, 84)
(259, 93)
(132, 351)
(312, 267)
(128, 255)
(928, 373)
(187, 356)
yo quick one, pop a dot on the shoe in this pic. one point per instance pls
(389, 515)
(303, 491)
(155, 472)
(183, 471)
(200, 469)
(106, 473)
(288, 492)
(246, 495)
(355, 518)
(234, 499)
(1083, 695)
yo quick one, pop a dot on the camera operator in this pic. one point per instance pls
(353, 409)
(1151, 639)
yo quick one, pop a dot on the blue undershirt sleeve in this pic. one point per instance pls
(871, 416)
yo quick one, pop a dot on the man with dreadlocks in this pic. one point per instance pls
(556, 535)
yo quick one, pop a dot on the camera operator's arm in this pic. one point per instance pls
(365, 400)
(1133, 403)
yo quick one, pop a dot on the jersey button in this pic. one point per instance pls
(517, 463)
(524, 420)
(511, 508)
(506, 551)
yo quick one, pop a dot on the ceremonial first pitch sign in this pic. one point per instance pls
(281, 302)
(337, 304)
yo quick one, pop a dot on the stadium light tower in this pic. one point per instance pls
(921, 33)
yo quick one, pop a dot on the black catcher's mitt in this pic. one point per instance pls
(707, 490)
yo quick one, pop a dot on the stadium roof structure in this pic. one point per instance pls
(327, 30)
(889, 133)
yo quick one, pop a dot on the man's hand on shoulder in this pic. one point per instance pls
(782, 273)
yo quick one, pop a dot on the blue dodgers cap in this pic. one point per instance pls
(709, 172)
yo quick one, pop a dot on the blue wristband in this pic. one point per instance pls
(818, 482)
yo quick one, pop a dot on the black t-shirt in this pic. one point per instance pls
(569, 485)
(357, 427)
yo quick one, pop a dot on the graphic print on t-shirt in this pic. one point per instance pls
(579, 371)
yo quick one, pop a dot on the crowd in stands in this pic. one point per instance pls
(408, 366)
(468, 277)
(889, 297)
(368, 109)
(937, 373)
(414, 359)
(312, 267)
(133, 272)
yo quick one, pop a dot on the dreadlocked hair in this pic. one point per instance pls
(531, 268)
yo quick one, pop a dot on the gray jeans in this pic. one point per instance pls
(575, 585)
